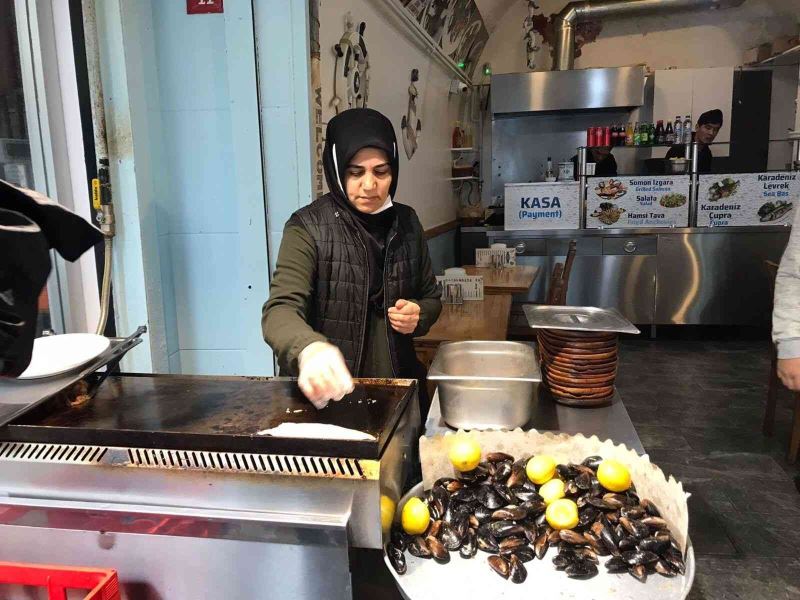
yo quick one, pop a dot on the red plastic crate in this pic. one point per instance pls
(101, 583)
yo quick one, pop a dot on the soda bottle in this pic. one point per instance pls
(687, 130)
(659, 134)
(678, 130)
(644, 134)
(629, 138)
(669, 134)
(652, 135)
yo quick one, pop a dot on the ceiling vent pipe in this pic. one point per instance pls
(573, 13)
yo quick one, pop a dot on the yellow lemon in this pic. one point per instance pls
(416, 517)
(541, 469)
(562, 514)
(465, 453)
(614, 476)
(552, 491)
(388, 506)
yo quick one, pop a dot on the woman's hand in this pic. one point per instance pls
(404, 316)
(789, 372)
(324, 376)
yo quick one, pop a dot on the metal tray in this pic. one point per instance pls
(577, 318)
(223, 414)
(474, 578)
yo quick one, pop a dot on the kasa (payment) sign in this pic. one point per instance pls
(531, 206)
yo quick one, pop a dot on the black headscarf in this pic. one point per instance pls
(347, 133)
(31, 224)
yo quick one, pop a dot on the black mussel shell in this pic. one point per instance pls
(482, 513)
(654, 544)
(664, 568)
(561, 561)
(654, 522)
(500, 566)
(495, 457)
(505, 493)
(541, 545)
(599, 503)
(490, 498)
(501, 529)
(525, 554)
(517, 476)
(510, 513)
(587, 554)
(616, 564)
(517, 570)
(470, 545)
(434, 528)
(584, 481)
(627, 543)
(581, 569)
(419, 548)
(396, 558)
(572, 489)
(524, 495)
(649, 507)
(399, 539)
(541, 519)
(592, 462)
(487, 543)
(615, 500)
(587, 515)
(464, 494)
(535, 505)
(675, 561)
(531, 532)
(639, 557)
(632, 512)
(511, 544)
(566, 472)
(639, 572)
(502, 472)
(572, 537)
(439, 551)
(444, 482)
(450, 536)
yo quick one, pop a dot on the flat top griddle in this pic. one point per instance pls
(214, 414)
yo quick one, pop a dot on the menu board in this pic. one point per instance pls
(740, 199)
(646, 201)
(530, 206)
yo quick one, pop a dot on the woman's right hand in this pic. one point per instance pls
(324, 376)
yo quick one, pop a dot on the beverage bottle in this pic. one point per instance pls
(606, 136)
(629, 134)
(644, 134)
(621, 134)
(669, 134)
(687, 130)
(652, 136)
(458, 136)
(678, 130)
(660, 139)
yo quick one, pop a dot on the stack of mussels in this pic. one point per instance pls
(496, 509)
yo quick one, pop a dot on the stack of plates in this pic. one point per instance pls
(579, 367)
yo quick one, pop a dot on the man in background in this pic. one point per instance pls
(706, 130)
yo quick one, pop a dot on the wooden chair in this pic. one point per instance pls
(559, 280)
(774, 385)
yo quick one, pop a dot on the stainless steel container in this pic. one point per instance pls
(486, 384)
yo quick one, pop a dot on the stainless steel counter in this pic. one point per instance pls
(609, 422)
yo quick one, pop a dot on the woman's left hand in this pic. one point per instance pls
(404, 316)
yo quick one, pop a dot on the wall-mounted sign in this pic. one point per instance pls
(530, 206)
(740, 199)
(203, 7)
(647, 201)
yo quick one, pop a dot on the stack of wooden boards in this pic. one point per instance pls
(579, 367)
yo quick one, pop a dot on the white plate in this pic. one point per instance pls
(57, 354)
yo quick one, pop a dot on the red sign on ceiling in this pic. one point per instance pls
(203, 7)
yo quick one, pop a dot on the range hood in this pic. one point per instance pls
(586, 89)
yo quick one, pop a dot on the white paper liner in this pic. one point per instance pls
(650, 481)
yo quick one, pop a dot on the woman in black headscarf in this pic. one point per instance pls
(353, 283)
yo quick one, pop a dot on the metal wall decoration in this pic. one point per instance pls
(532, 37)
(455, 25)
(411, 125)
(351, 69)
(586, 32)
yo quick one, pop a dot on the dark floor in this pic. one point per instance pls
(698, 407)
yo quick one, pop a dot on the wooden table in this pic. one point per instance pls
(485, 319)
(508, 280)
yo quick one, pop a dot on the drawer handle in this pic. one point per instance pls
(630, 247)
(521, 248)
